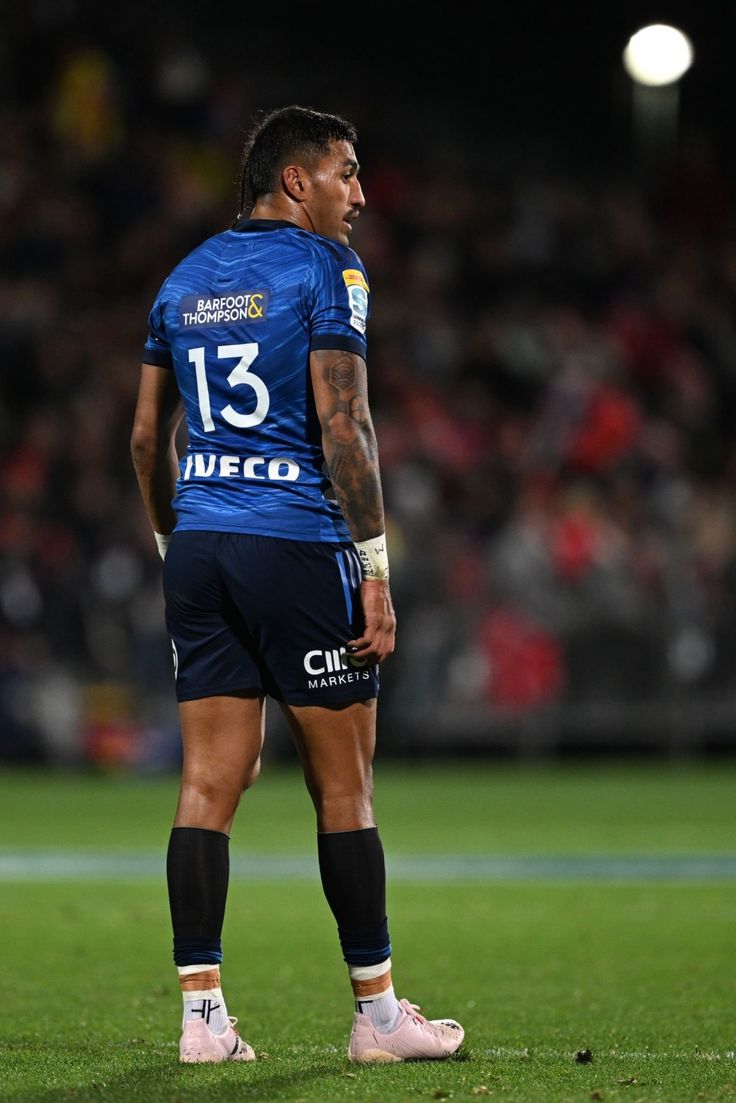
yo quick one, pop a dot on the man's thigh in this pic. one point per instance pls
(336, 747)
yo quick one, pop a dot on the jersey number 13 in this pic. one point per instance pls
(240, 376)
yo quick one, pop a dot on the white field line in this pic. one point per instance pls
(71, 865)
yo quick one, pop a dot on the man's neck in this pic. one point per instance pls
(280, 210)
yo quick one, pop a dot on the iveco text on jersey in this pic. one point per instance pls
(204, 466)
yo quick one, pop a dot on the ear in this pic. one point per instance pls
(295, 182)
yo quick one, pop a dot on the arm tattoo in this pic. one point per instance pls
(351, 450)
(343, 377)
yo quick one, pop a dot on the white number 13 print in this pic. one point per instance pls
(240, 376)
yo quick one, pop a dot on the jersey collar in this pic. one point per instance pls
(253, 225)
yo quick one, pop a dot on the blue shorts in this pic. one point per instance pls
(248, 612)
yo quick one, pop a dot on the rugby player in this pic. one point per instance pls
(276, 577)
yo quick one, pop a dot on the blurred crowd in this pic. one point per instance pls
(552, 371)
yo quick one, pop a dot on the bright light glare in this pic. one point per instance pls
(658, 54)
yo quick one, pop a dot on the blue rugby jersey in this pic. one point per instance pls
(236, 320)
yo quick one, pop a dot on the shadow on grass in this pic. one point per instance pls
(168, 1082)
(153, 1075)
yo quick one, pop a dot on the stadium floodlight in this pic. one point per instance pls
(656, 58)
(658, 55)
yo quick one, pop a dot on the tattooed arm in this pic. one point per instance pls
(348, 439)
(349, 444)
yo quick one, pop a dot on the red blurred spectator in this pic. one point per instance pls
(609, 430)
(526, 667)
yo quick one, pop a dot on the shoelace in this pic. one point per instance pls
(232, 1019)
(412, 1010)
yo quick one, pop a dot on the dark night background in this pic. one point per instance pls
(552, 357)
(520, 72)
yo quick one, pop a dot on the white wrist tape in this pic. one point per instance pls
(162, 543)
(373, 557)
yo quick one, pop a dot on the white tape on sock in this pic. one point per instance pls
(369, 972)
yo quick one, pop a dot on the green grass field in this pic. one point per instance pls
(554, 910)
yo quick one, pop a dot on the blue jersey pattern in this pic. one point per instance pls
(236, 320)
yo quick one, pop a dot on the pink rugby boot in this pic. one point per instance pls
(414, 1038)
(199, 1045)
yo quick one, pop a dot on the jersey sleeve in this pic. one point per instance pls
(340, 305)
(157, 349)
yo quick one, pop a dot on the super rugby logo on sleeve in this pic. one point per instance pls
(358, 290)
(210, 310)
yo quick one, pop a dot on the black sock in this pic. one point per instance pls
(353, 873)
(197, 871)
